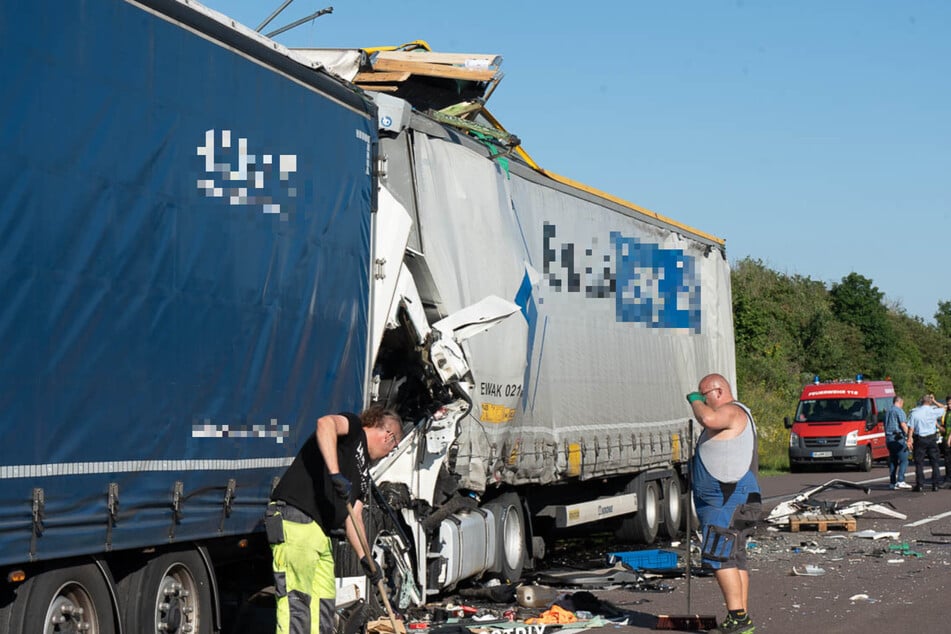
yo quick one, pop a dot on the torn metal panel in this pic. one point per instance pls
(345, 63)
(603, 577)
(804, 503)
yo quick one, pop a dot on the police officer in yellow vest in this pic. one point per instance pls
(331, 469)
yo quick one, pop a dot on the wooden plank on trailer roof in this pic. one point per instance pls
(380, 87)
(435, 70)
(440, 58)
(381, 77)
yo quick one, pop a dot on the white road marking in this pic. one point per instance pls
(933, 518)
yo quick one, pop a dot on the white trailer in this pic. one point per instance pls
(569, 410)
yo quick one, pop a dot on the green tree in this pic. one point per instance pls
(766, 348)
(943, 318)
(855, 301)
(789, 328)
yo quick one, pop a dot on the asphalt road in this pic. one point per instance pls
(867, 585)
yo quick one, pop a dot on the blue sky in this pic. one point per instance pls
(814, 135)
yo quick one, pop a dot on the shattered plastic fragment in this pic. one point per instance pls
(872, 534)
(809, 571)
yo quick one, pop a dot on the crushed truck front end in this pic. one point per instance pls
(569, 412)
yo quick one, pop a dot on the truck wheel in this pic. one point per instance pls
(671, 508)
(642, 527)
(170, 593)
(691, 513)
(866, 464)
(73, 599)
(510, 522)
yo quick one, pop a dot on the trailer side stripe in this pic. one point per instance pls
(9, 472)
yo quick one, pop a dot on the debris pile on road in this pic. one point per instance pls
(808, 508)
(566, 595)
(561, 596)
(531, 614)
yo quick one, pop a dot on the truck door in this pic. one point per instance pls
(879, 442)
(874, 431)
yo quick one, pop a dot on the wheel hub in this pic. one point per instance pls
(174, 610)
(66, 614)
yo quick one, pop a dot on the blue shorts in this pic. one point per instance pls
(726, 523)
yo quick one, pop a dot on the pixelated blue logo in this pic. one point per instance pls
(657, 287)
(652, 286)
(244, 178)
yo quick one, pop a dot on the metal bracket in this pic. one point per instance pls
(379, 272)
(112, 504)
(228, 505)
(39, 504)
(380, 170)
(178, 498)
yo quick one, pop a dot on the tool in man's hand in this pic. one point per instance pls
(687, 622)
(373, 571)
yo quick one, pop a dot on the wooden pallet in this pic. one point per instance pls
(821, 523)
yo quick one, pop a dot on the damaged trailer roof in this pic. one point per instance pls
(451, 90)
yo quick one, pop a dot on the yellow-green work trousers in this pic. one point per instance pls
(303, 572)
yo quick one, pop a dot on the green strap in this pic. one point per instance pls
(493, 151)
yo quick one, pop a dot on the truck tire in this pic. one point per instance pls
(866, 464)
(691, 509)
(672, 508)
(510, 523)
(70, 599)
(170, 593)
(642, 527)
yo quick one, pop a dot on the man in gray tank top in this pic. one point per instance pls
(726, 493)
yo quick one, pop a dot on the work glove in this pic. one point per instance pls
(696, 396)
(342, 485)
(376, 575)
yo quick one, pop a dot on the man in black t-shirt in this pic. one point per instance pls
(311, 500)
